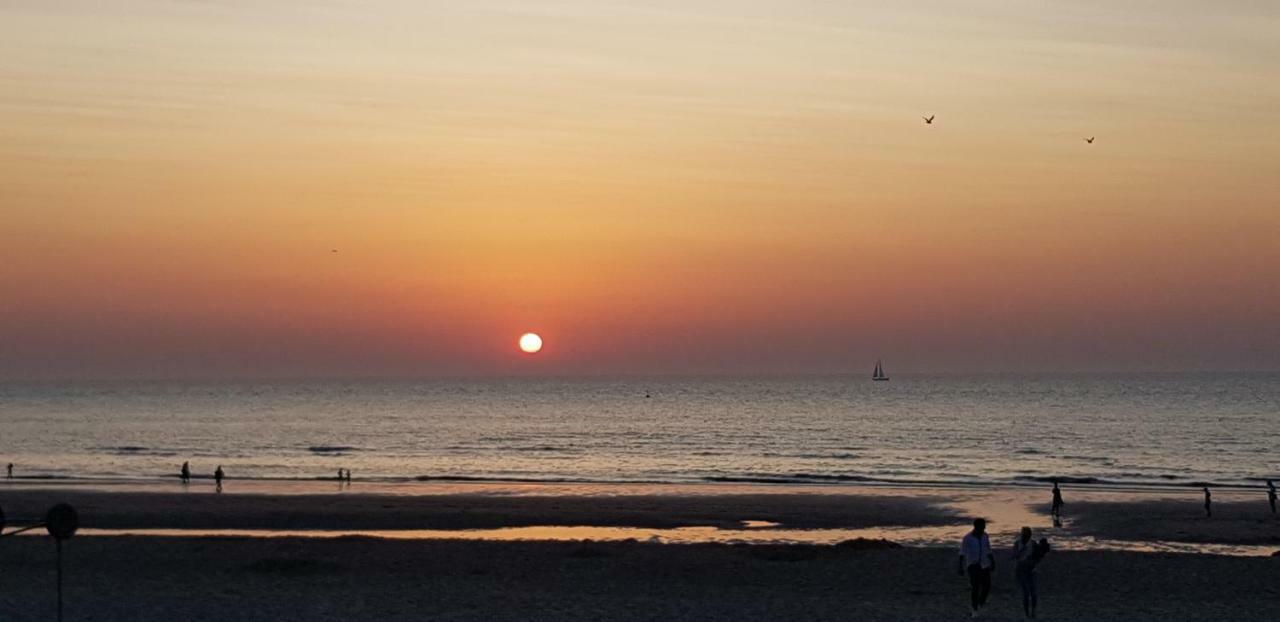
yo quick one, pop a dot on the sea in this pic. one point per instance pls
(1127, 429)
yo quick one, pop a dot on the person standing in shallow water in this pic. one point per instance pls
(1208, 503)
(1056, 508)
(977, 560)
(217, 478)
(1271, 495)
(11, 473)
(186, 473)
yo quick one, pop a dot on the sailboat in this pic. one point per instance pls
(879, 373)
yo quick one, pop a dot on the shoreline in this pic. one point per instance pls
(285, 485)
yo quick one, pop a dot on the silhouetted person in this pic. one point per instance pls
(1056, 508)
(1027, 554)
(1271, 495)
(217, 478)
(186, 473)
(339, 475)
(977, 560)
(11, 477)
(348, 476)
(1208, 503)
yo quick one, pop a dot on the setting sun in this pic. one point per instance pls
(530, 343)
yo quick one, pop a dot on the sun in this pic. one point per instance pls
(530, 343)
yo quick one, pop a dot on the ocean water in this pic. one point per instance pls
(1124, 429)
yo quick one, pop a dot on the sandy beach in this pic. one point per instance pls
(367, 579)
(203, 576)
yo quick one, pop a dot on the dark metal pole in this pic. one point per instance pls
(59, 543)
(62, 522)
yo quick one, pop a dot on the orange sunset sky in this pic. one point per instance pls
(696, 186)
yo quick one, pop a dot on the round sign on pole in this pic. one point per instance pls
(62, 521)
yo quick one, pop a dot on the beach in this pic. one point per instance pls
(456, 552)
(367, 579)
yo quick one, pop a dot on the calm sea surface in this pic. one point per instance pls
(1150, 429)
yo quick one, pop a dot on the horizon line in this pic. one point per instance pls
(618, 376)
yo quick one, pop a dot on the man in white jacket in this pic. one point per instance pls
(978, 561)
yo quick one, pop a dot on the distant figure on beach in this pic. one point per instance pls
(217, 478)
(977, 560)
(11, 477)
(1208, 503)
(1271, 495)
(348, 476)
(339, 475)
(1027, 554)
(1056, 508)
(186, 473)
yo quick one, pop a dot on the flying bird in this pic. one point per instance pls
(929, 119)
(1089, 140)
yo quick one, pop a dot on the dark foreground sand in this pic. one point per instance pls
(127, 578)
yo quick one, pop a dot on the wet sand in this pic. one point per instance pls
(1176, 520)
(350, 511)
(1103, 515)
(124, 578)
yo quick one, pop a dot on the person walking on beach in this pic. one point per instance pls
(1056, 508)
(11, 477)
(1271, 495)
(186, 473)
(1027, 554)
(1208, 503)
(217, 478)
(977, 560)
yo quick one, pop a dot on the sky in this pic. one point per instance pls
(693, 186)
